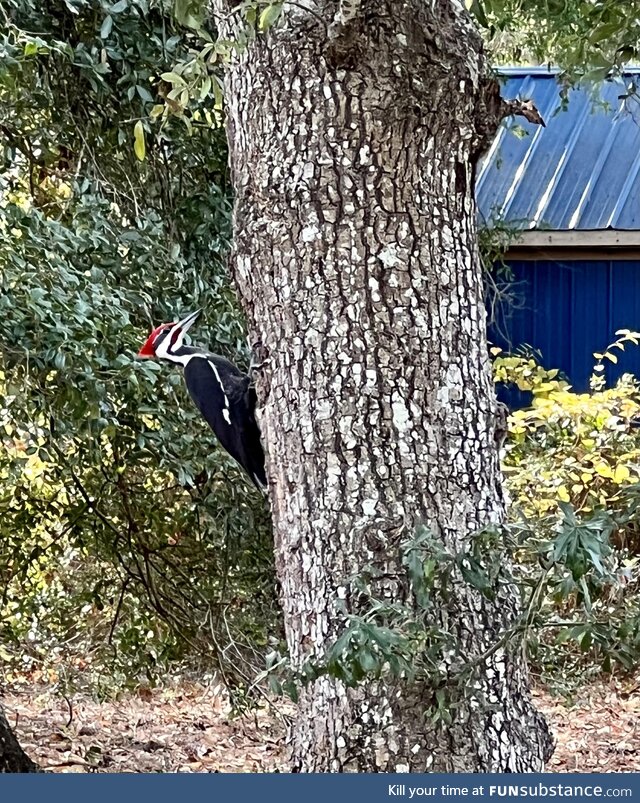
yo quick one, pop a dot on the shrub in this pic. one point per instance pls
(572, 469)
(579, 448)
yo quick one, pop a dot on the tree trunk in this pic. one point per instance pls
(12, 756)
(354, 132)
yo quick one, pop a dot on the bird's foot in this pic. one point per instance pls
(259, 356)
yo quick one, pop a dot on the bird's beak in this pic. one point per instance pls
(187, 322)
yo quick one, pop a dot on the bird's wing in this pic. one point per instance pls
(224, 397)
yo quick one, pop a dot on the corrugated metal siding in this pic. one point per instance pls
(580, 172)
(568, 310)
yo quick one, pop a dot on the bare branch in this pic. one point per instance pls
(492, 108)
(523, 108)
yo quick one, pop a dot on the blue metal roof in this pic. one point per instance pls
(581, 172)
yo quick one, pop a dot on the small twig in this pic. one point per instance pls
(68, 702)
(116, 615)
(492, 108)
(524, 108)
(91, 503)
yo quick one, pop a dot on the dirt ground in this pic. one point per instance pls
(188, 728)
(599, 732)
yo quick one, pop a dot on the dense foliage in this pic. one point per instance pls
(581, 448)
(572, 469)
(127, 539)
(590, 38)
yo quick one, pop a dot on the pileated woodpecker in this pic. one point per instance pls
(222, 393)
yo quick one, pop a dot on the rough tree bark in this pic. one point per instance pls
(354, 130)
(12, 756)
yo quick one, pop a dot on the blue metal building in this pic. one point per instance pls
(573, 189)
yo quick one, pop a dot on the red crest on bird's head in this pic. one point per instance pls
(148, 350)
(158, 338)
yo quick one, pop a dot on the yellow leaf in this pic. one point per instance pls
(563, 493)
(139, 146)
(621, 474)
(586, 478)
(604, 470)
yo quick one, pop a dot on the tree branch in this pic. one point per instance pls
(523, 108)
(492, 108)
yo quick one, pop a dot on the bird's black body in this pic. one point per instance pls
(224, 396)
(221, 392)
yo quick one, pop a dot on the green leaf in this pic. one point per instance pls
(119, 7)
(475, 575)
(603, 32)
(173, 78)
(217, 93)
(367, 660)
(568, 513)
(144, 93)
(188, 13)
(139, 145)
(597, 75)
(268, 16)
(105, 28)
(290, 688)
(205, 87)
(71, 6)
(476, 9)
(563, 635)
(586, 595)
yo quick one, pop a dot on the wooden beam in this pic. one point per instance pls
(578, 239)
(552, 254)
